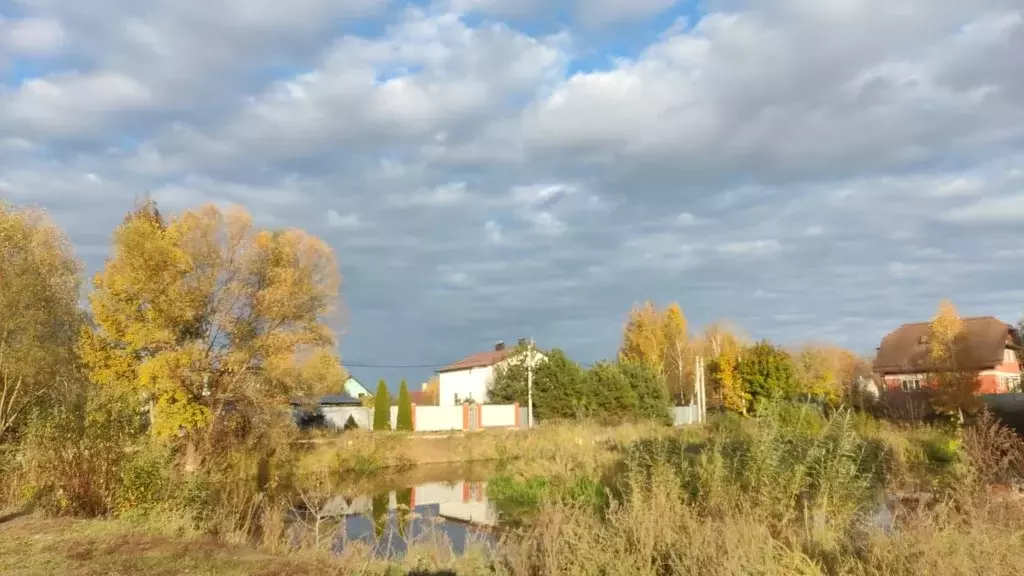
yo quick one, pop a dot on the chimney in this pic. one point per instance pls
(499, 346)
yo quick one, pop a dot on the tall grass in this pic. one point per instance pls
(789, 493)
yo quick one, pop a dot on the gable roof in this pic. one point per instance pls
(980, 346)
(356, 381)
(479, 360)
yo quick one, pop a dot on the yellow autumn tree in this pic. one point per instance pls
(955, 388)
(729, 386)
(721, 344)
(39, 316)
(718, 336)
(677, 353)
(210, 321)
(432, 390)
(643, 337)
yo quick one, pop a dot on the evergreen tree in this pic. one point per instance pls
(614, 400)
(382, 408)
(404, 420)
(648, 385)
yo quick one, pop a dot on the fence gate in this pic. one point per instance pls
(474, 417)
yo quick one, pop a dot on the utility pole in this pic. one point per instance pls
(529, 383)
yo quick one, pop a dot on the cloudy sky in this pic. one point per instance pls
(489, 169)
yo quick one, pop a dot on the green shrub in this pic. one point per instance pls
(145, 480)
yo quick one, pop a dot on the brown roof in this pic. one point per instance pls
(489, 358)
(980, 346)
(421, 397)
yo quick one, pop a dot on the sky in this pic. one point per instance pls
(494, 169)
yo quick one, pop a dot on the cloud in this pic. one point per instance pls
(1009, 209)
(347, 221)
(751, 247)
(70, 104)
(493, 230)
(600, 12)
(487, 169)
(31, 36)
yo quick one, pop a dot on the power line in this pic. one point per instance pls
(349, 364)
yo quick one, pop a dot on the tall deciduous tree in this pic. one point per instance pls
(208, 318)
(382, 407)
(720, 335)
(817, 373)
(956, 388)
(643, 337)
(766, 372)
(404, 419)
(728, 385)
(39, 318)
(677, 354)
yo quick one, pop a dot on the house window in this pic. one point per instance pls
(1009, 357)
(1009, 383)
(910, 383)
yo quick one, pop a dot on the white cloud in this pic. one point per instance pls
(539, 193)
(1003, 210)
(493, 230)
(444, 195)
(704, 98)
(31, 36)
(960, 186)
(601, 12)
(686, 219)
(751, 247)
(347, 221)
(546, 223)
(70, 104)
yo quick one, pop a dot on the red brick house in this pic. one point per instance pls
(986, 345)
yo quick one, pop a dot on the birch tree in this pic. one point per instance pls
(677, 353)
(39, 317)
(643, 336)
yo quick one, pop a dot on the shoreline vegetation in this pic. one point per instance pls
(789, 492)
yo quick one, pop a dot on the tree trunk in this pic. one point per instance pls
(192, 458)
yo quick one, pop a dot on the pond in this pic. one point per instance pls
(445, 505)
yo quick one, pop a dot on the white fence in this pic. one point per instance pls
(499, 415)
(438, 418)
(466, 417)
(685, 415)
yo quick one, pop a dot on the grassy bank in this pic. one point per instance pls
(549, 449)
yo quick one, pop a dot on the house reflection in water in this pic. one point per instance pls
(459, 510)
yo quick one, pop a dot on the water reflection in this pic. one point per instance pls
(451, 513)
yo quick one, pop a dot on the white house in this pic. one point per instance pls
(470, 379)
(355, 388)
